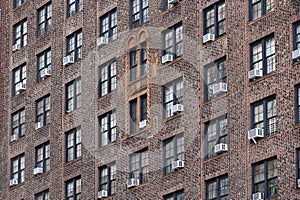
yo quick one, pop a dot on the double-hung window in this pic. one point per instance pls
(18, 168)
(20, 34)
(264, 176)
(139, 166)
(178, 195)
(107, 128)
(108, 174)
(73, 91)
(217, 188)
(139, 12)
(44, 65)
(173, 94)
(264, 115)
(138, 62)
(44, 18)
(43, 156)
(297, 101)
(43, 110)
(173, 151)
(173, 41)
(18, 2)
(73, 189)
(18, 123)
(74, 45)
(263, 55)
(214, 73)
(73, 144)
(19, 79)
(138, 113)
(166, 4)
(73, 6)
(108, 78)
(44, 195)
(296, 41)
(108, 25)
(259, 8)
(215, 19)
(215, 133)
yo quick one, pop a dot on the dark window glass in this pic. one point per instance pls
(259, 8)
(108, 25)
(107, 128)
(173, 94)
(215, 19)
(73, 6)
(43, 156)
(44, 64)
(73, 91)
(74, 45)
(73, 144)
(43, 110)
(18, 168)
(139, 12)
(73, 189)
(44, 18)
(173, 41)
(139, 166)
(217, 188)
(108, 176)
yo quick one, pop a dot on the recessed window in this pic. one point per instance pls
(18, 123)
(43, 156)
(166, 4)
(296, 42)
(18, 2)
(139, 12)
(259, 8)
(138, 62)
(298, 163)
(173, 151)
(44, 195)
(139, 166)
(73, 189)
(108, 175)
(173, 95)
(107, 128)
(74, 45)
(108, 25)
(20, 35)
(73, 6)
(138, 113)
(44, 65)
(173, 41)
(18, 168)
(73, 91)
(19, 79)
(43, 110)
(217, 188)
(265, 178)
(44, 18)
(215, 19)
(73, 144)
(264, 115)
(108, 78)
(297, 101)
(178, 195)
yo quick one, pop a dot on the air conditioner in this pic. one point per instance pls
(177, 164)
(20, 87)
(13, 182)
(38, 125)
(177, 108)
(102, 193)
(133, 182)
(258, 196)
(16, 47)
(13, 137)
(208, 37)
(221, 147)
(38, 170)
(296, 54)
(255, 73)
(102, 40)
(68, 60)
(173, 1)
(45, 72)
(167, 58)
(143, 123)
(255, 133)
(219, 88)
(298, 183)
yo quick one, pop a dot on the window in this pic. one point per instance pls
(173, 151)
(166, 4)
(139, 166)
(108, 128)
(296, 35)
(139, 12)
(74, 45)
(42, 156)
(18, 168)
(43, 110)
(259, 8)
(297, 100)
(73, 189)
(108, 78)
(178, 195)
(108, 25)
(173, 94)
(44, 18)
(263, 55)
(217, 188)
(172, 41)
(19, 79)
(44, 195)
(298, 163)
(18, 2)
(265, 177)
(108, 178)
(138, 66)
(215, 19)
(73, 91)
(73, 6)
(214, 73)
(215, 133)
(137, 105)
(264, 115)
(20, 34)
(44, 64)
(18, 123)
(73, 144)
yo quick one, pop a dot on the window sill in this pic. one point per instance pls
(23, 48)
(15, 141)
(71, 112)
(167, 10)
(207, 160)
(297, 126)
(106, 95)
(174, 61)
(72, 64)
(260, 140)
(74, 15)
(139, 186)
(140, 25)
(139, 132)
(17, 95)
(43, 127)
(165, 176)
(20, 6)
(211, 42)
(43, 80)
(137, 80)
(261, 17)
(72, 161)
(108, 145)
(261, 78)
(17, 186)
(225, 94)
(41, 175)
(44, 34)
(173, 117)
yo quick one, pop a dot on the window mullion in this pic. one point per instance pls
(216, 20)
(109, 78)
(174, 41)
(108, 180)
(266, 177)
